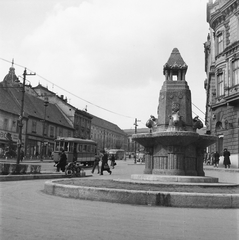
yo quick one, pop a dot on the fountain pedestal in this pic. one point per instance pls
(174, 153)
(173, 147)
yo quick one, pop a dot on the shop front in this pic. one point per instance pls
(8, 144)
(35, 149)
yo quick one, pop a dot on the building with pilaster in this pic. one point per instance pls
(222, 83)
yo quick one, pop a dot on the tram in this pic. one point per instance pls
(76, 149)
(119, 153)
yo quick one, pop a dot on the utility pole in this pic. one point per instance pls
(135, 144)
(19, 143)
(44, 126)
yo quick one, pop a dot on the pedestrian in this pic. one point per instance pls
(216, 159)
(112, 161)
(74, 155)
(208, 159)
(21, 155)
(226, 160)
(105, 166)
(96, 163)
(62, 162)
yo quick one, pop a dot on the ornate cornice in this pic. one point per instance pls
(232, 49)
(223, 12)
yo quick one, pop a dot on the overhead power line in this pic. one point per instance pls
(69, 91)
(93, 104)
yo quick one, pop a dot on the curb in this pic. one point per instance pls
(151, 198)
(4, 178)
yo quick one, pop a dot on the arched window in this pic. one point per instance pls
(218, 125)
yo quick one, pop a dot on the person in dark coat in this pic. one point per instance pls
(112, 161)
(21, 155)
(62, 162)
(216, 159)
(226, 161)
(105, 166)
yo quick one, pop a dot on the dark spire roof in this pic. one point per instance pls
(175, 61)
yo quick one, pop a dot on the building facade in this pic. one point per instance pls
(42, 121)
(79, 119)
(222, 69)
(107, 135)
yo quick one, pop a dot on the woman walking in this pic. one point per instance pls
(105, 166)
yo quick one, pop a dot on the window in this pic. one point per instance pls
(60, 132)
(45, 130)
(235, 69)
(5, 124)
(83, 122)
(51, 131)
(34, 126)
(69, 133)
(13, 125)
(220, 81)
(219, 43)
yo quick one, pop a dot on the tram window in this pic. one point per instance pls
(88, 148)
(66, 146)
(74, 147)
(58, 146)
(92, 148)
(61, 145)
(80, 148)
(84, 148)
(70, 149)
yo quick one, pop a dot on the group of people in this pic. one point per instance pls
(214, 158)
(103, 157)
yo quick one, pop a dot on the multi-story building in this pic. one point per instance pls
(222, 69)
(107, 135)
(133, 146)
(80, 119)
(42, 121)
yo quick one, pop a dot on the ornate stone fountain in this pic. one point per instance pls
(174, 149)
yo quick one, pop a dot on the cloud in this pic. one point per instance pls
(108, 50)
(105, 44)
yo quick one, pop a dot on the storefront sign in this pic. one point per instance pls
(7, 136)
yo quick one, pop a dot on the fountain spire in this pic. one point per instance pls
(175, 109)
(175, 66)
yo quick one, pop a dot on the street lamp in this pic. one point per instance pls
(44, 125)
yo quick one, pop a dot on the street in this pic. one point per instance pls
(28, 213)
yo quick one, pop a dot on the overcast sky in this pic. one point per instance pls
(106, 54)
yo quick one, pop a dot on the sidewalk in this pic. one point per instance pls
(212, 168)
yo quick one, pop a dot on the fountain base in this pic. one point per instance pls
(178, 153)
